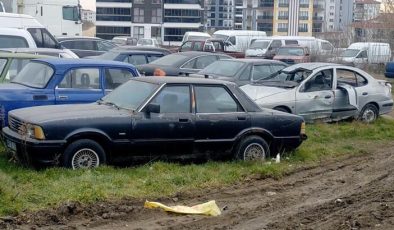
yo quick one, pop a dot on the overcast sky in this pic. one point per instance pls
(89, 4)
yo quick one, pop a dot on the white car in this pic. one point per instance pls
(151, 42)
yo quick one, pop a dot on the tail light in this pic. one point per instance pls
(159, 73)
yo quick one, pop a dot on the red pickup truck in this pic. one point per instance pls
(209, 45)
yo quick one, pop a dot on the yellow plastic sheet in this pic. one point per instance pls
(209, 208)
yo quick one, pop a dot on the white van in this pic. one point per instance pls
(16, 38)
(39, 33)
(267, 47)
(191, 35)
(238, 40)
(360, 53)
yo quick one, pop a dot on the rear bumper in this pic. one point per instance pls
(30, 150)
(389, 74)
(288, 143)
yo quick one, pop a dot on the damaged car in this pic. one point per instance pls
(150, 117)
(323, 91)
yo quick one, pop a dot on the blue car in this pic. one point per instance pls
(62, 81)
(389, 73)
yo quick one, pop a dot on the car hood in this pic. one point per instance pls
(256, 92)
(278, 57)
(42, 114)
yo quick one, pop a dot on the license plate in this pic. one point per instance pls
(11, 145)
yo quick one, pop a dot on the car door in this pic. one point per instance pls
(219, 118)
(172, 130)
(79, 85)
(114, 77)
(315, 96)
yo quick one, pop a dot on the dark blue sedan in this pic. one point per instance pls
(62, 81)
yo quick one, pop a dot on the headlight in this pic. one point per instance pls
(35, 131)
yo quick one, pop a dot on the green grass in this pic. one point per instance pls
(26, 189)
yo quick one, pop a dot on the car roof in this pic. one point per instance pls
(309, 66)
(84, 62)
(197, 53)
(134, 51)
(24, 50)
(253, 60)
(182, 80)
(66, 38)
(21, 55)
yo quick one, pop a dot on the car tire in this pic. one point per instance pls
(369, 113)
(282, 109)
(84, 153)
(252, 148)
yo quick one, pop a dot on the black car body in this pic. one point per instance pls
(241, 71)
(134, 57)
(172, 117)
(183, 63)
(86, 46)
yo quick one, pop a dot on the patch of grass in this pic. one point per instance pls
(26, 189)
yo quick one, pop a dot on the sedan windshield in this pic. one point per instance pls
(349, 53)
(223, 68)
(130, 95)
(259, 44)
(34, 74)
(174, 60)
(291, 51)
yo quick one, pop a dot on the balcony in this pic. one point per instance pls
(286, 17)
(317, 18)
(304, 5)
(283, 5)
(266, 3)
(318, 7)
(303, 17)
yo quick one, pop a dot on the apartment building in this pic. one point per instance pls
(88, 16)
(366, 10)
(220, 14)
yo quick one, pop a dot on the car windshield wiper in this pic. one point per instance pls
(102, 102)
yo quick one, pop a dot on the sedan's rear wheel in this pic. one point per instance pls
(83, 153)
(369, 113)
(252, 148)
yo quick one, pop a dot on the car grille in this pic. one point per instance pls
(288, 61)
(15, 124)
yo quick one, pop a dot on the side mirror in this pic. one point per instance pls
(152, 108)
(307, 54)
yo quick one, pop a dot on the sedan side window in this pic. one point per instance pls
(37, 36)
(215, 99)
(321, 81)
(351, 78)
(173, 99)
(116, 77)
(137, 59)
(84, 78)
(261, 72)
(204, 61)
(187, 46)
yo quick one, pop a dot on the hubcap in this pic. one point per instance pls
(85, 158)
(369, 115)
(254, 151)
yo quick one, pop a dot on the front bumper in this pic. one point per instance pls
(30, 150)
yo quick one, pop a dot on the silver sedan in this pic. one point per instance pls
(323, 91)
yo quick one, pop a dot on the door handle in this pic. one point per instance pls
(327, 97)
(63, 97)
(241, 118)
(365, 93)
(183, 120)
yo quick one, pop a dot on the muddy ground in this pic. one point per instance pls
(351, 193)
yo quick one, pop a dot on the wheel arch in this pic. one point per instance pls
(263, 133)
(285, 107)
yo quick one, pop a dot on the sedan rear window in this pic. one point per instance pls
(12, 42)
(223, 68)
(171, 60)
(35, 75)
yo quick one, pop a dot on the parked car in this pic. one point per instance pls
(12, 63)
(86, 46)
(124, 40)
(16, 38)
(192, 35)
(241, 71)
(323, 91)
(135, 57)
(292, 54)
(143, 48)
(153, 117)
(183, 63)
(389, 73)
(209, 45)
(64, 53)
(62, 81)
(239, 39)
(150, 42)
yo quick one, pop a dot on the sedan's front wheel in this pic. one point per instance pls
(252, 148)
(83, 153)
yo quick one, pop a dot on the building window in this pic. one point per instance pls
(303, 15)
(303, 27)
(182, 15)
(283, 3)
(108, 32)
(283, 27)
(138, 32)
(156, 33)
(156, 1)
(283, 15)
(156, 15)
(138, 15)
(113, 14)
(304, 3)
(138, 1)
(176, 34)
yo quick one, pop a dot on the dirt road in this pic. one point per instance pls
(353, 193)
